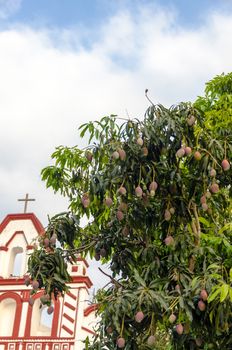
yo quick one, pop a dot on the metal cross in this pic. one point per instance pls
(26, 200)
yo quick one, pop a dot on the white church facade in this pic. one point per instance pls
(26, 327)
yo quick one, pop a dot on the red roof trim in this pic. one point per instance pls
(27, 216)
(90, 309)
(82, 279)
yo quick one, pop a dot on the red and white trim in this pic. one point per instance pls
(72, 319)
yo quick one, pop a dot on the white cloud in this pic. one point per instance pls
(9, 7)
(47, 90)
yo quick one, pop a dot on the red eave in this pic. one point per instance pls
(82, 279)
(27, 216)
(90, 309)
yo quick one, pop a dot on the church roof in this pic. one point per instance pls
(23, 216)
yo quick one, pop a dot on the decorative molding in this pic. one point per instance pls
(71, 295)
(36, 340)
(12, 281)
(30, 247)
(88, 330)
(69, 318)
(67, 329)
(4, 248)
(82, 279)
(70, 306)
(90, 309)
(74, 268)
(15, 234)
(27, 216)
(83, 260)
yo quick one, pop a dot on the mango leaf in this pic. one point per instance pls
(214, 295)
(230, 294)
(224, 292)
(213, 266)
(204, 221)
(139, 279)
(226, 227)
(195, 282)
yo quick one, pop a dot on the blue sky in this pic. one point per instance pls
(87, 18)
(92, 13)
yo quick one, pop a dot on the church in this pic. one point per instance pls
(26, 327)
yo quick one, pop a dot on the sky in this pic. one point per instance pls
(63, 63)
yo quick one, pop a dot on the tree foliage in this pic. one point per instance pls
(157, 195)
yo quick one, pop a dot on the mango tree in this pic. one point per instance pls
(157, 195)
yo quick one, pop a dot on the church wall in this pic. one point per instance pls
(89, 320)
(71, 323)
(13, 226)
(83, 296)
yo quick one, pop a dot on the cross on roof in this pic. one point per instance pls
(26, 200)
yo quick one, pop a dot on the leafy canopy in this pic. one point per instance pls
(157, 195)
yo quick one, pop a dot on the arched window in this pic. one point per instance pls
(7, 317)
(16, 264)
(18, 261)
(41, 322)
(46, 320)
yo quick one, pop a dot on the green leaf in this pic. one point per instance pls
(226, 227)
(230, 294)
(224, 292)
(146, 270)
(139, 279)
(213, 266)
(214, 295)
(204, 221)
(58, 278)
(195, 281)
(211, 316)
